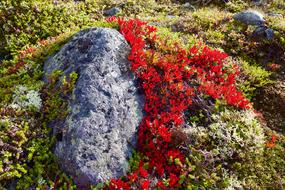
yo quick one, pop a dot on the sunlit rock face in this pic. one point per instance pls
(106, 107)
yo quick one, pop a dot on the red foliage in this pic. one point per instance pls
(143, 172)
(118, 184)
(16, 67)
(161, 185)
(274, 66)
(145, 184)
(272, 142)
(24, 53)
(166, 79)
(173, 180)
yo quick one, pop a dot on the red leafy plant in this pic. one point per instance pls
(29, 51)
(170, 78)
(272, 142)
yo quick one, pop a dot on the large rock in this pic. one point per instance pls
(106, 107)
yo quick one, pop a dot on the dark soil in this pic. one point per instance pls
(270, 101)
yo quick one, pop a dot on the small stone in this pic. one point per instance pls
(263, 32)
(5, 57)
(250, 18)
(258, 2)
(112, 12)
(171, 16)
(275, 14)
(189, 6)
(269, 33)
(259, 31)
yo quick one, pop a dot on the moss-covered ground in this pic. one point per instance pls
(234, 149)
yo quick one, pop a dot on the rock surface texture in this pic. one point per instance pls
(250, 17)
(106, 106)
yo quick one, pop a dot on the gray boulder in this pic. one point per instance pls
(250, 17)
(106, 107)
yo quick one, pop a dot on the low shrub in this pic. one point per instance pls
(235, 151)
(25, 22)
(252, 78)
(170, 76)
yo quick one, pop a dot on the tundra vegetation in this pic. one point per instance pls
(216, 122)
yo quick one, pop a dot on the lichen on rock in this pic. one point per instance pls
(99, 133)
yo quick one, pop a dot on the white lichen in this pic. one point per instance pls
(25, 98)
(232, 132)
(233, 181)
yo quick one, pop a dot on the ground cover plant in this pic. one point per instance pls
(199, 71)
(171, 77)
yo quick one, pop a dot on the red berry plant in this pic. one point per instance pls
(170, 77)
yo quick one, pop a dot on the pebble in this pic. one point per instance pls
(112, 12)
(189, 6)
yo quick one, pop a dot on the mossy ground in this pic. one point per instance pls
(40, 28)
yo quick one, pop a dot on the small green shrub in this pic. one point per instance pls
(24, 22)
(253, 78)
(25, 136)
(204, 17)
(276, 6)
(232, 133)
(232, 153)
(236, 5)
